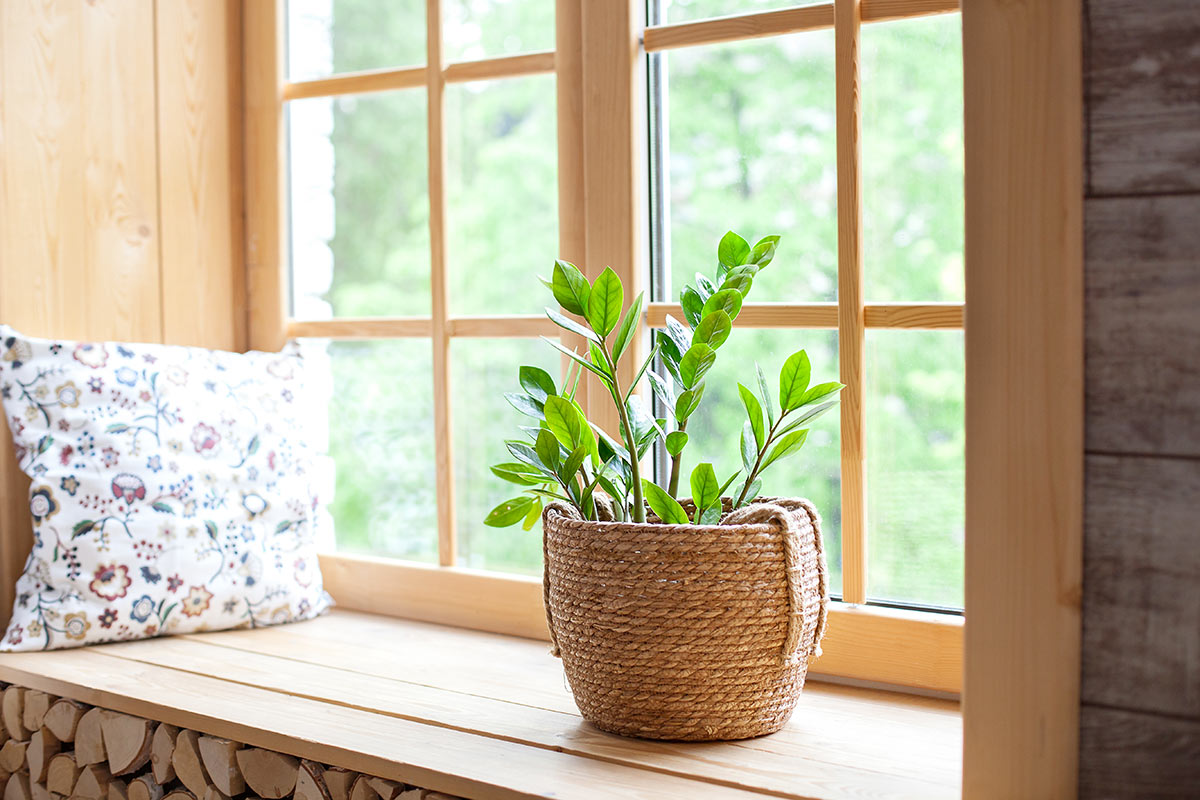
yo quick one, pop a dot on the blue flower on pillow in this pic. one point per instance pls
(127, 376)
(143, 607)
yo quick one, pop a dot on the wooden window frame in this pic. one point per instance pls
(1024, 340)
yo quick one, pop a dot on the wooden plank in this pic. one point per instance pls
(851, 319)
(505, 67)
(779, 23)
(361, 328)
(435, 86)
(1024, 345)
(1141, 627)
(375, 80)
(199, 145)
(1143, 78)
(396, 749)
(496, 327)
(827, 745)
(913, 316)
(1130, 754)
(1143, 354)
(759, 315)
(265, 153)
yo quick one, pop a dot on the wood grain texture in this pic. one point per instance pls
(1130, 754)
(200, 160)
(376, 80)
(1143, 96)
(1143, 314)
(1141, 623)
(1024, 397)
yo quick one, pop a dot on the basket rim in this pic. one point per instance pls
(566, 515)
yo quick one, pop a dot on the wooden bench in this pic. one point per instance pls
(482, 715)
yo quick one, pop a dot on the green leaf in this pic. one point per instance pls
(666, 507)
(705, 489)
(525, 404)
(534, 513)
(518, 473)
(743, 283)
(733, 250)
(786, 446)
(766, 393)
(793, 380)
(680, 335)
(713, 330)
(688, 402)
(676, 441)
(755, 414)
(589, 366)
(821, 391)
(727, 300)
(711, 515)
(642, 371)
(571, 325)
(706, 287)
(162, 507)
(564, 421)
(693, 305)
(605, 301)
(510, 512)
(695, 363)
(280, 528)
(537, 382)
(725, 486)
(749, 452)
(808, 416)
(628, 326)
(573, 463)
(570, 287)
(547, 449)
(211, 527)
(662, 389)
(752, 492)
(764, 250)
(117, 427)
(82, 527)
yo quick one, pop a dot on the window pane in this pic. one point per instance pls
(714, 430)
(502, 191)
(475, 29)
(328, 36)
(753, 160)
(915, 466)
(688, 10)
(913, 159)
(483, 370)
(359, 205)
(381, 439)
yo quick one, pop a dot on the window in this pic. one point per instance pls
(420, 200)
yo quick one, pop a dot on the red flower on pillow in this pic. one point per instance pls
(204, 437)
(111, 581)
(128, 487)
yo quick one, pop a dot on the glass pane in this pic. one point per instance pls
(688, 10)
(328, 36)
(359, 206)
(912, 97)
(714, 430)
(475, 29)
(381, 440)
(502, 191)
(753, 160)
(915, 466)
(482, 371)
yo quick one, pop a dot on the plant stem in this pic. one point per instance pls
(676, 462)
(638, 510)
(770, 437)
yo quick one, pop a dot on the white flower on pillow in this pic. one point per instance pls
(91, 354)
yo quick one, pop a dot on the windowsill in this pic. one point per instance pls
(484, 715)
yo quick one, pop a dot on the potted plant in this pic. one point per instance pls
(676, 618)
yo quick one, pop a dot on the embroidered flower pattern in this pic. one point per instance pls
(173, 490)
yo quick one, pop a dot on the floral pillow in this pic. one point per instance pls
(174, 490)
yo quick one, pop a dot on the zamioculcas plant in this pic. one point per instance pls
(565, 457)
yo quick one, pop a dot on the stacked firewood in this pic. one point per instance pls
(55, 749)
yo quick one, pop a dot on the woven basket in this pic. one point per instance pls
(687, 632)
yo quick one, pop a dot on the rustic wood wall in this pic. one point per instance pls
(1140, 721)
(120, 185)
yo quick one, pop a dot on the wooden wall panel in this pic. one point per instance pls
(200, 166)
(1131, 755)
(1144, 96)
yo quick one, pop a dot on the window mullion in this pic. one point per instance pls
(851, 314)
(435, 82)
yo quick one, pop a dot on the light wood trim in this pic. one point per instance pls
(376, 80)
(361, 328)
(915, 316)
(614, 168)
(506, 67)
(779, 23)
(466, 598)
(851, 317)
(515, 327)
(904, 648)
(923, 316)
(1024, 396)
(442, 426)
(265, 175)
